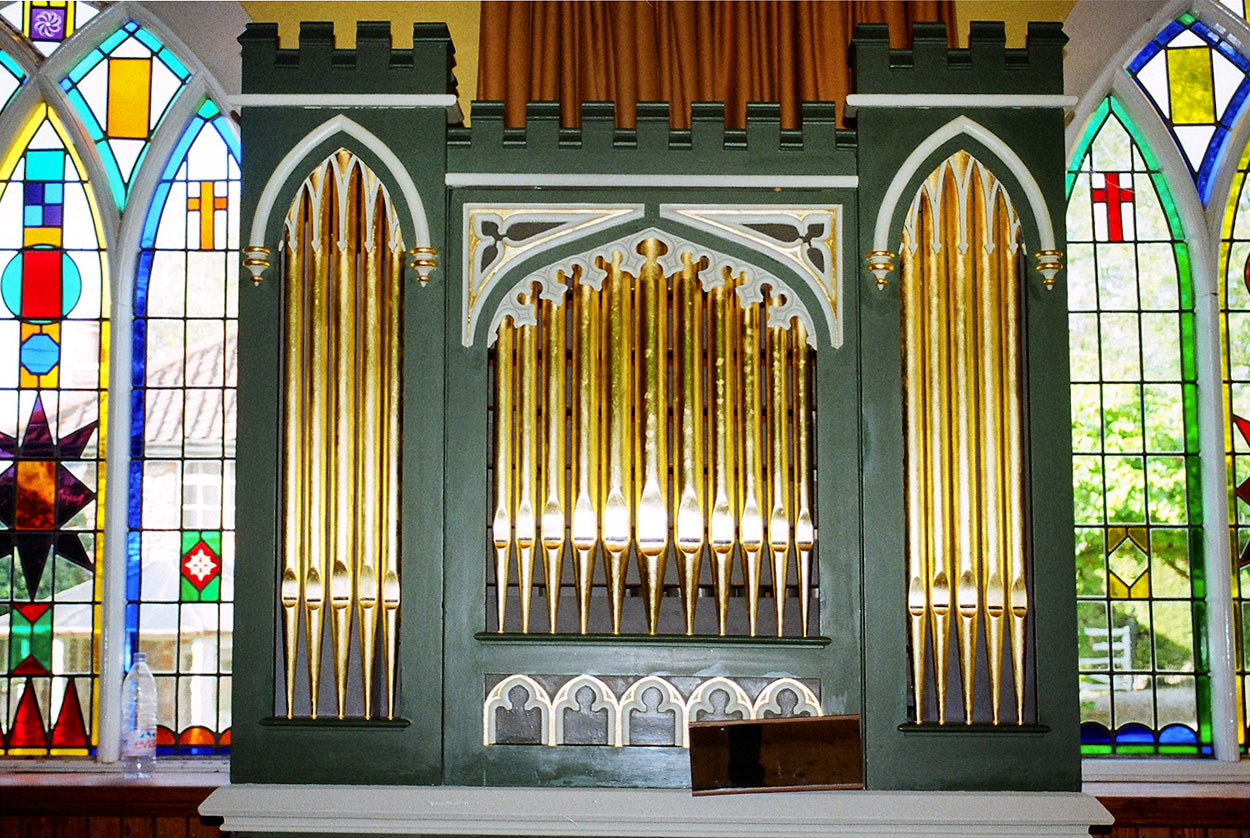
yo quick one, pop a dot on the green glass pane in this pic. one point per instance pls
(1161, 355)
(1165, 419)
(1126, 491)
(1117, 277)
(1168, 491)
(1122, 418)
(1121, 352)
(1169, 562)
(1086, 422)
(1091, 578)
(1157, 264)
(1083, 345)
(1087, 482)
(1082, 295)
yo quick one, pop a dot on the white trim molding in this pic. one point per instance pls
(606, 180)
(956, 100)
(457, 810)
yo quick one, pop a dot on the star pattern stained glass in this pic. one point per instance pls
(1198, 83)
(181, 540)
(1144, 685)
(53, 339)
(47, 24)
(121, 90)
(1234, 290)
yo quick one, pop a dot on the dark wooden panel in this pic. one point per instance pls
(1180, 812)
(103, 798)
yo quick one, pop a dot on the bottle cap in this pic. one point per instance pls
(139, 656)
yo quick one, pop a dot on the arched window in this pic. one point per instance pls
(1154, 433)
(119, 192)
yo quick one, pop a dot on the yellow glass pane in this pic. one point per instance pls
(1190, 86)
(130, 85)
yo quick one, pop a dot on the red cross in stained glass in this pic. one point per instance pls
(1114, 198)
(206, 204)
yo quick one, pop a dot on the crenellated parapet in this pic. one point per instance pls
(653, 146)
(985, 66)
(373, 66)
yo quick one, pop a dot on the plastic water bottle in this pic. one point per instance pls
(138, 750)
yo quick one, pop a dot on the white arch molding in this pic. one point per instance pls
(339, 124)
(986, 137)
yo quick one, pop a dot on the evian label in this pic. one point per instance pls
(139, 743)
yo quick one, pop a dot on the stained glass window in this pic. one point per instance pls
(121, 90)
(1144, 687)
(1237, 7)
(181, 542)
(54, 339)
(1197, 82)
(12, 77)
(1234, 289)
(47, 23)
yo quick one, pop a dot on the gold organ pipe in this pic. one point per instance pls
(501, 526)
(554, 498)
(318, 433)
(919, 557)
(751, 468)
(618, 489)
(804, 529)
(722, 521)
(368, 519)
(388, 567)
(963, 436)
(584, 524)
(651, 437)
(1013, 431)
(343, 462)
(689, 512)
(527, 461)
(295, 541)
(779, 471)
(989, 325)
(937, 492)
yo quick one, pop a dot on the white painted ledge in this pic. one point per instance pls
(452, 810)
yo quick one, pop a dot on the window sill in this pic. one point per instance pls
(1165, 777)
(100, 790)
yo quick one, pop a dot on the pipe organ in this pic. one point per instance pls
(537, 461)
(672, 365)
(343, 262)
(965, 465)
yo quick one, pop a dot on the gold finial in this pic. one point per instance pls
(1048, 264)
(256, 260)
(423, 262)
(880, 263)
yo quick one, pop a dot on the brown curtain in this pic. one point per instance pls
(680, 51)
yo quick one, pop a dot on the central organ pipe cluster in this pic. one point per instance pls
(683, 423)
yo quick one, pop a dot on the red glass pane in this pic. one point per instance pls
(41, 284)
(197, 736)
(164, 736)
(69, 731)
(27, 730)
